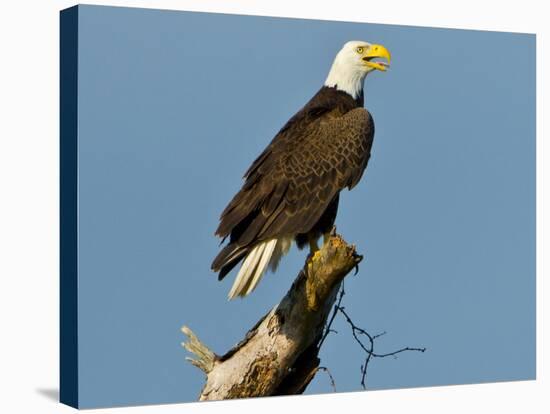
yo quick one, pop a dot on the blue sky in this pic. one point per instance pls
(173, 108)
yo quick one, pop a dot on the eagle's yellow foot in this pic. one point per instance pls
(311, 258)
(313, 250)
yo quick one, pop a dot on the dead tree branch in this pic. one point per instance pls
(280, 354)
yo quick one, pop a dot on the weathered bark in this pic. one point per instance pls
(279, 355)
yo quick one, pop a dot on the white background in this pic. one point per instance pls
(29, 194)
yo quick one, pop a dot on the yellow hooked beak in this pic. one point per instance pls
(377, 51)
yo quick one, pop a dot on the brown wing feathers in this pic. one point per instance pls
(290, 185)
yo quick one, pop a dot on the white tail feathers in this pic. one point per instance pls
(282, 248)
(256, 263)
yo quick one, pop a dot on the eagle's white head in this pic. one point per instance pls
(353, 62)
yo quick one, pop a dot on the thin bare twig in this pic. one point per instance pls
(356, 331)
(332, 382)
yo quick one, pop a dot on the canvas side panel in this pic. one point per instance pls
(68, 207)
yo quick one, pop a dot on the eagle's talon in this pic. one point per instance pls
(358, 258)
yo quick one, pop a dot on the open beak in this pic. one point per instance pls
(377, 52)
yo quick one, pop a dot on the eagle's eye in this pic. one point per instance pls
(359, 50)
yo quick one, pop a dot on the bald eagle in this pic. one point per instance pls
(291, 191)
